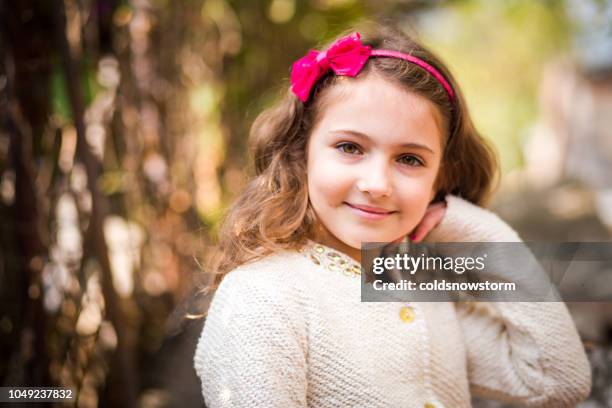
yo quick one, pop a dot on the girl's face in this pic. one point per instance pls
(373, 157)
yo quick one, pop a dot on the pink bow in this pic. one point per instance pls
(347, 56)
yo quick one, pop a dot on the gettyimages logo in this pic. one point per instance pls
(410, 264)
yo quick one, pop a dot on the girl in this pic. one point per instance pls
(373, 142)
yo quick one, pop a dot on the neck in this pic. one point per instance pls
(328, 239)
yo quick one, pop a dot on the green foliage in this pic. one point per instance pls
(59, 95)
(59, 91)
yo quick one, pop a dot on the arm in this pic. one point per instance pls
(251, 353)
(519, 352)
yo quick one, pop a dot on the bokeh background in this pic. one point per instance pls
(123, 134)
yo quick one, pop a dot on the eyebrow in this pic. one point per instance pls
(364, 136)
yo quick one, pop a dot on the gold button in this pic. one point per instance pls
(406, 313)
(429, 405)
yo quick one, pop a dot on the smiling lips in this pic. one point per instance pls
(369, 212)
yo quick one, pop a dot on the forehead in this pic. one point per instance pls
(386, 112)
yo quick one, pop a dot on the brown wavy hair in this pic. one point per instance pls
(273, 211)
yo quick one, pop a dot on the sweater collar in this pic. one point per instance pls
(331, 259)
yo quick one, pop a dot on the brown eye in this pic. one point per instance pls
(348, 148)
(411, 160)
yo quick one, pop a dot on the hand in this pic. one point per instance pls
(433, 215)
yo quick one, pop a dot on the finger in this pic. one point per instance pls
(431, 219)
(436, 206)
(422, 229)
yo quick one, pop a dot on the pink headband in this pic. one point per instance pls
(347, 56)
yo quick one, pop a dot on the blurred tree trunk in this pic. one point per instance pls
(123, 379)
(27, 62)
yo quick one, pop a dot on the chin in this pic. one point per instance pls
(368, 238)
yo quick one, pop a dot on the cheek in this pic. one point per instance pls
(326, 189)
(415, 197)
(328, 182)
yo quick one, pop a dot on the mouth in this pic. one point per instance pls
(370, 212)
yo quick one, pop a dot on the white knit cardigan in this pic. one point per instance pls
(286, 332)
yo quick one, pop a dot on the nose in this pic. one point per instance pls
(375, 179)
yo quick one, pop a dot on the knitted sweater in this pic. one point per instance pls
(286, 331)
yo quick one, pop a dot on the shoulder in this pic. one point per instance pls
(279, 266)
(276, 277)
(261, 296)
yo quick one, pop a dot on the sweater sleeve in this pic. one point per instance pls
(251, 352)
(526, 353)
